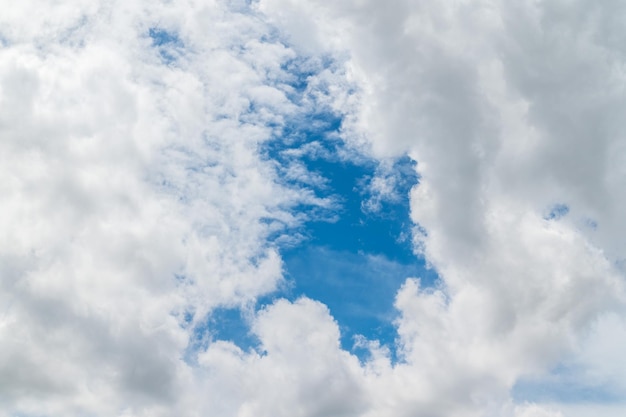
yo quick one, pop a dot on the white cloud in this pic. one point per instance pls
(134, 194)
(302, 372)
(532, 410)
(508, 109)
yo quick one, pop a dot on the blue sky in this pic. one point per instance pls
(167, 43)
(351, 258)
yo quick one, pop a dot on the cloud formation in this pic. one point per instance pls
(137, 198)
(508, 110)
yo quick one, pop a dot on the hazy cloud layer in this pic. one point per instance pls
(137, 198)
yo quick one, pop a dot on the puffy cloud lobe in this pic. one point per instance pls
(302, 371)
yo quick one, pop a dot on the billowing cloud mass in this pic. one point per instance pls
(140, 193)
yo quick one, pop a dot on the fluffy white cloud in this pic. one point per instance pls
(301, 372)
(508, 108)
(136, 200)
(135, 195)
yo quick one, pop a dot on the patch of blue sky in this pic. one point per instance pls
(356, 264)
(163, 37)
(557, 212)
(310, 155)
(167, 43)
(228, 324)
(352, 259)
(358, 288)
(563, 385)
(381, 232)
(348, 255)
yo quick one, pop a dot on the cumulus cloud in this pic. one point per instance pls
(508, 110)
(137, 199)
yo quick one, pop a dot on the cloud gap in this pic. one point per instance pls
(167, 43)
(557, 212)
